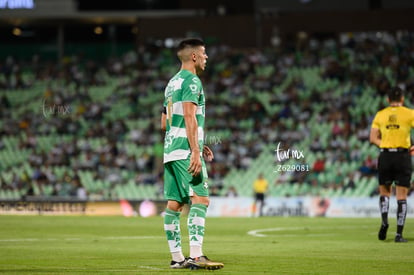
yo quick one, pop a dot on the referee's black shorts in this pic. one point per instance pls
(394, 167)
(259, 197)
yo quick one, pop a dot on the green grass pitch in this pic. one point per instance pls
(266, 245)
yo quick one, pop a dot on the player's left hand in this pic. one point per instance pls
(412, 150)
(208, 154)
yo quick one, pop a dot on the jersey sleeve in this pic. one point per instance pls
(375, 123)
(412, 118)
(191, 89)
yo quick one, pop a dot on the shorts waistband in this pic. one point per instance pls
(394, 150)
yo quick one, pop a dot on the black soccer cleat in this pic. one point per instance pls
(179, 265)
(382, 234)
(400, 239)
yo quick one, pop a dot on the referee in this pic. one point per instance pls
(390, 131)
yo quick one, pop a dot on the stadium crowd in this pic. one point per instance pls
(241, 123)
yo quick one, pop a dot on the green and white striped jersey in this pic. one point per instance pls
(183, 87)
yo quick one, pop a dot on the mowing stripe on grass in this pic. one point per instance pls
(81, 239)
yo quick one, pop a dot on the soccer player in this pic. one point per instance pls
(390, 131)
(185, 173)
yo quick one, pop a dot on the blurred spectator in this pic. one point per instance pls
(369, 166)
(214, 191)
(79, 190)
(231, 192)
(64, 187)
(350, 183)
(319, 165)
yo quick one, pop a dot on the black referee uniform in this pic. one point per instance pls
(390, 131)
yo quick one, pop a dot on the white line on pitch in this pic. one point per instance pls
(259, 232)
(150, 267)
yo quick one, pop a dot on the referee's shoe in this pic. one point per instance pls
(382, 234)
(399, 239)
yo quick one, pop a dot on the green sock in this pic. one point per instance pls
(196, 224)
(172, 230)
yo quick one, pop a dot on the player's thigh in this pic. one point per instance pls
(176, 181)
(386, 173)
(403, 169)
(199, 183)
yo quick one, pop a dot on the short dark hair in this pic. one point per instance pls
(190, 42)
(395, 94)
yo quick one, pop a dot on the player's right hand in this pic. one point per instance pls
(195, 164)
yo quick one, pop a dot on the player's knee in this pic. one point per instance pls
(206, 202)
(174, 206)
(401, 192)
(200, 200)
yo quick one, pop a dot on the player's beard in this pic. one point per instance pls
(201, 68)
